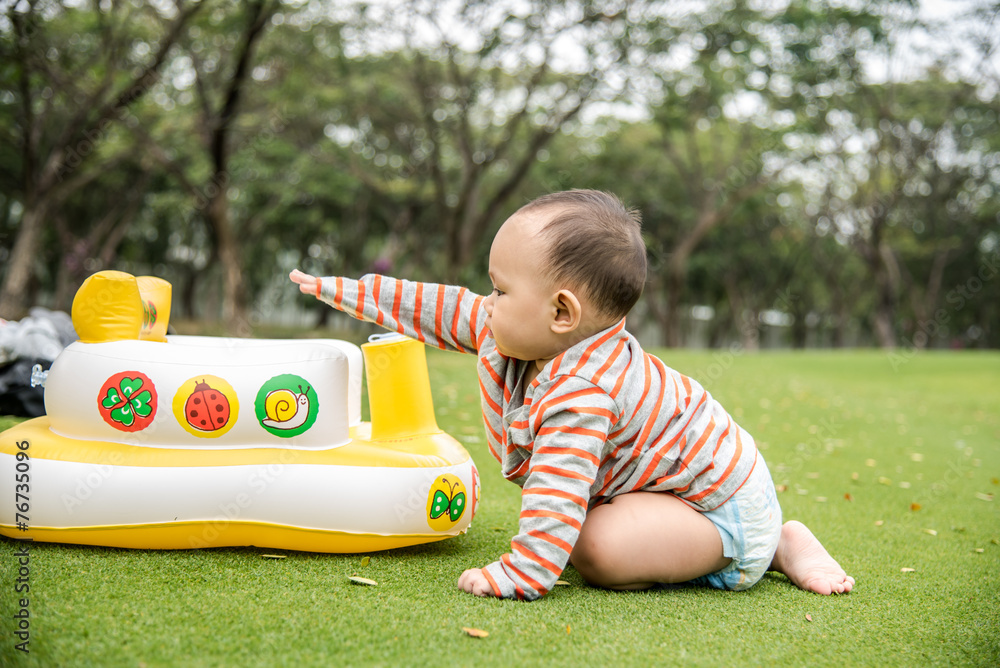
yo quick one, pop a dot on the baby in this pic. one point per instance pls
(629, 470)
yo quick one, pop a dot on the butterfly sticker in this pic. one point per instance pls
(446, 502)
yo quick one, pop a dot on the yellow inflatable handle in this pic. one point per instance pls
(155, 293)
(399, 389)
(116, 306)
(108, 307)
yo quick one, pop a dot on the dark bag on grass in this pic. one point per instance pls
(17, 396)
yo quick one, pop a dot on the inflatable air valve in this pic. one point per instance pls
(399, 389)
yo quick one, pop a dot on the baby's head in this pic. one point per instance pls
(595, 245)
(564, 267)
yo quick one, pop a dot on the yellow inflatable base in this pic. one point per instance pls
(221, 533)
(419, 458)
(424, 450)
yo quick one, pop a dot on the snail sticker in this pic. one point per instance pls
(446, 502)
(286, 405)
(127, 401)
(206, 406)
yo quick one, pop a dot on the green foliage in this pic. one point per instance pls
(768, 156)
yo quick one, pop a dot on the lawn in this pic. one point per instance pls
(893, 461)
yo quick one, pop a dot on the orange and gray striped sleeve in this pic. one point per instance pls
(570, 419)
(446, 316)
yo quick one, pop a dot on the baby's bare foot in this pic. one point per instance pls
(804, 560)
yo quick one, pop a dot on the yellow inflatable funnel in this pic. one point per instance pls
(399, 389)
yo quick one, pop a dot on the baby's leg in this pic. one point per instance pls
(804, 560)
(642, 538)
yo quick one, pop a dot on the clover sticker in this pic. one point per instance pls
(127, 401)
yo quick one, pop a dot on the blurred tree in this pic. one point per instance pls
(69, 75)
(448, 111)
(904, 184)
(218, 61)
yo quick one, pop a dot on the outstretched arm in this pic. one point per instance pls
(446, 316)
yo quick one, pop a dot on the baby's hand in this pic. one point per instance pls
(474, 582)
(309, 285)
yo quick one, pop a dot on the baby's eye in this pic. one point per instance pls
(498, 291)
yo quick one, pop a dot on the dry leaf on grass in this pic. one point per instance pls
(979, 550)
(809, 617)
(365, 561)
(915, 507)
(567, 629)
(562, 583)
(475, 633)
(362, 581)
(879, 523)
(930, 532)
(274, 556)
(781, 488)
(848, 497)
(904, 569)
(984, 497)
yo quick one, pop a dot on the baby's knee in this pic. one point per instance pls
(594, 557)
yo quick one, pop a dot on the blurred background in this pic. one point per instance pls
(810, 174)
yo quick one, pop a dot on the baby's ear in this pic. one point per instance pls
(568, 312)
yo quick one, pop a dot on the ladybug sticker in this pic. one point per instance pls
(206, 406)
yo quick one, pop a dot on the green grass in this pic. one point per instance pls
(853, 440)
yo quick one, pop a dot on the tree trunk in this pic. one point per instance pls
(652, 294)
(672, 316)
(749, 327)
(882, 319)
(234, 304)
(20, 268)
(677, 270)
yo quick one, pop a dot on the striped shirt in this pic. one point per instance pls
(603, 418)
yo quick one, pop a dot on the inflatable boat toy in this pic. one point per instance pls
(178, 442)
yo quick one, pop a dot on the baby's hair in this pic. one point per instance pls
(594, 241)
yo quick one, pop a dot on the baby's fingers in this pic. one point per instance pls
(474, 582)
(300, 277)
(307, 284)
